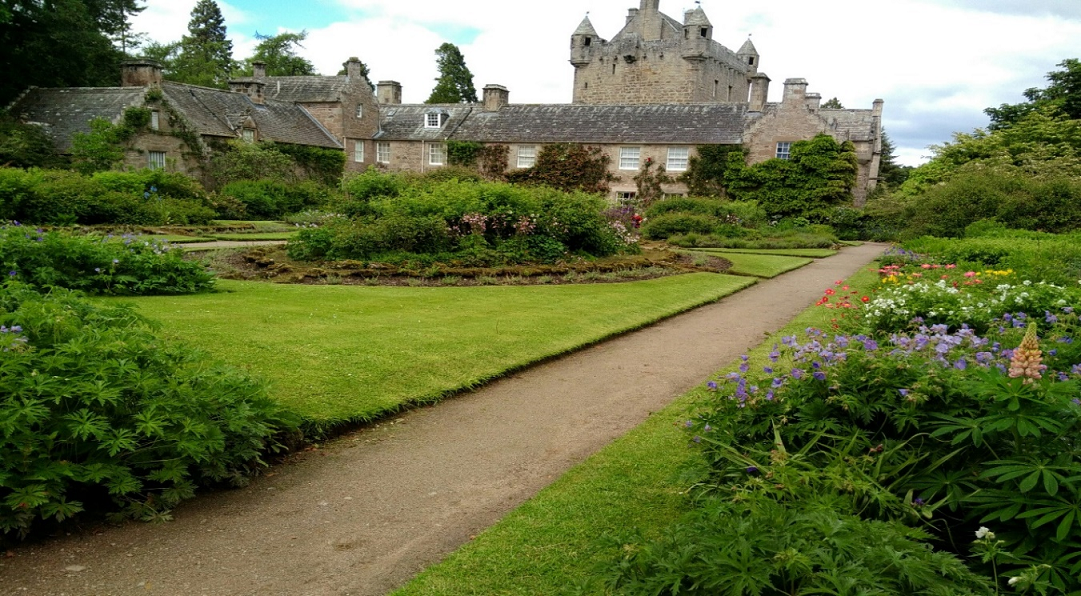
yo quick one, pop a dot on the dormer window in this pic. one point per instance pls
(432, 120)
(248, 134)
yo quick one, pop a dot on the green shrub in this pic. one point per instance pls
(100, 414)
(127, 265)
(670, 224)
(270, 199)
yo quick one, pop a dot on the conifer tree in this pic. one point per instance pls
(455, 82)
(833, 104)
(206, 55)
(279, 54)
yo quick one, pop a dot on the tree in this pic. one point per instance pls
(278, 52)
(1063, 95)
(455, 82)
(60, 43)
(833, 104)
(206, 55)
(888, 171)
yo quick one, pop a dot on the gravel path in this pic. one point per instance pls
(364, 514)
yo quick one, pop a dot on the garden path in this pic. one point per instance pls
(364, 513)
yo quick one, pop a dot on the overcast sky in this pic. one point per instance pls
(936, 63)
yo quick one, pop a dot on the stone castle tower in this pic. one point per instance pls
(655, 59)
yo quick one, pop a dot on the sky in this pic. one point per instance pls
(936, 63)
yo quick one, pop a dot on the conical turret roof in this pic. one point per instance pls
(696, 17)
(586, 28)
(747, 48)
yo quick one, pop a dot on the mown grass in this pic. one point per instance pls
(257, 225)
(814, 253)
(176, 238)
(562, 540)
(255, 236)
(759, 265)
(340, 354)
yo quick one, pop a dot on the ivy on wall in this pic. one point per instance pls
(705, 170)
(463, 153)
(569, 167)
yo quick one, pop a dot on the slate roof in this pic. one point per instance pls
(855, 125)
(219, 113)
(404, 122)
(64, 112)
(720, 124)
(585, 28)
(305, 89)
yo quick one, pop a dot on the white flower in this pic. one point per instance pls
(983, 531)
(1013, 580)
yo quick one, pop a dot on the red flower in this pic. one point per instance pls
(865, 299)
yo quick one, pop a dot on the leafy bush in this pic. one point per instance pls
(670, 224)
(55, 197)
(100, 414)
(270, 199)
(1054, 259)
(459, 219)
(122, 266)
(569, 167)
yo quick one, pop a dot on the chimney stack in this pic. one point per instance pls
(759, 92)
(814, 101)
(495, 97)
(258, 69)
(140, 73)
(389, 93)
(795, 92)
(352, 70)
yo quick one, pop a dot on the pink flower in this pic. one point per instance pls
(951, 266)
(970, 274)
(925, 266)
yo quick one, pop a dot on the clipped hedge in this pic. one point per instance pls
(271, 199)
(100, 414)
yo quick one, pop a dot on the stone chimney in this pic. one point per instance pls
(795, 92)
(140, 73)
(759, 92)
(495, 97)
(249, 86)
(631, 13)
(352, 70)
(814, 101)
(389, 93)
(258, 69)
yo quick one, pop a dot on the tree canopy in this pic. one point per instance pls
(279, 54)
(833, 104)
(61, 43)
(455, 82)
(1062, 95)
(206, 54)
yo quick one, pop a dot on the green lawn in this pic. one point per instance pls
(814, 253)
(176, 238)
(336, 354)
(252, 236)
(767, 266)
(258, 225)
(566, 536)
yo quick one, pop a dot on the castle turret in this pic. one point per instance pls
(748, 55)
(697, 34)
(582, 41)
(759, 92)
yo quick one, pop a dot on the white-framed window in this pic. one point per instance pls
(527, 156)
(248, 135)
(784, 150)
(155, 122)
(628, 157)
(382, 152)
(437, 154)
(360, 110)
(358, 151)
(677, 159)
(626, 195)
(431, 120)
(156, 160)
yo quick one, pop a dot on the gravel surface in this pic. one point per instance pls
(361, 515)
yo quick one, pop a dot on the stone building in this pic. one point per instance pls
(658, 89)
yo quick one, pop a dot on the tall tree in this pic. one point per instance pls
(455, 82)
(57, 43)
(279, 54)
(888, 170)
(1062, 95)
(206, 54)
(833, 104)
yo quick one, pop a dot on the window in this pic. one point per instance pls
(527, 157)
(382, 152)
(248, 135)
(437, 154)
(358, 151)
(156, 160)
(626, 195)
(628, 157)
(750, 60)
(431, 120)
(783, 150)
(677, 159)
(589, 40)
(703, 32)
(155, 123)
(360, 110)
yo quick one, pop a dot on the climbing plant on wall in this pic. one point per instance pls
(568, 166)
(705, 170)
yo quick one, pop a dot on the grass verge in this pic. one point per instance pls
(562, 539)
(255, 236)
(341, 354)
(814, 253)
(767, 266)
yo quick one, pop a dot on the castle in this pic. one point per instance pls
(657, 90)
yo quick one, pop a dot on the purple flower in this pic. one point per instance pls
(819, 375)
(961, 364)
(1052, 352)
(707, 428)
(870, 345)
(752, 470)
(903, 392)
(744, 367)
(712, 385)
(767, 369)
(917, 502)
(16, 329)
(769, 395)
(12, 273)
(1063, 376)
(984, 357)
(1067, 309)
(1049, 318)
(688, 424)
(697, 439)
(797, 374)
(777, 383)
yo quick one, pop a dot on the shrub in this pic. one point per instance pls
(120, 266)
(670, 224)
(270, 199)
(99, 414)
